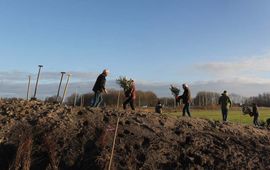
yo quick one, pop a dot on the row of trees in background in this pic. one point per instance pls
(150, 99)
(260, 100)
(146, 98)
(204, 98)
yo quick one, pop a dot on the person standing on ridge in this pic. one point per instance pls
(255, 114)
(225, 103)
(99, 88)
(186, 98)
(131, 96)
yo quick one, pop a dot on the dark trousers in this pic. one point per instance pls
(186, 109)
(130, 101)
(256, 120)
(224, 114)
(97, 99)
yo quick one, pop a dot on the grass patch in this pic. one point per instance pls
(235, 115)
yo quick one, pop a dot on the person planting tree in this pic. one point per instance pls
(252, 113)
(186, 99)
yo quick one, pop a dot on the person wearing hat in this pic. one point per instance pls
(131, 96)
(99, 88)
(186, 98)
(225, 103)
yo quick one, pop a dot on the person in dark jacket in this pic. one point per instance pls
(158, 108)
(131, 96)
(225, 103)
(186, 98)
(99, 88)
(255, 114)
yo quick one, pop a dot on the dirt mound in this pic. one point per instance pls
(50, 136)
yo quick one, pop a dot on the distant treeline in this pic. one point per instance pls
(205, 99)
(144, 98)
(150, 99)
(261, 100)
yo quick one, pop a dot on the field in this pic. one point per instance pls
(235, 115)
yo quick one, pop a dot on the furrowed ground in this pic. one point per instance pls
(40, 135)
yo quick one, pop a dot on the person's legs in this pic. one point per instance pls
(187, 109)
(100, 99)
(132, 104)
(184, 110)
(94, 100)
(225, 114)
(255, 120)
(126, 102)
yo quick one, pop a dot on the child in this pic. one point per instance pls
(158, 107)
(255, 114)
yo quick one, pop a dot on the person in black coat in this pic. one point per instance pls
(99, 88)
(158, 108)
(186, 98)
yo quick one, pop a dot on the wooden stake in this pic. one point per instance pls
(65, 91)
(82, 100)
(36, 88)
(75, 98)
(114, 141)
(28, 88)
(59, 88)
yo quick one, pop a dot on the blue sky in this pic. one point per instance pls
(152, 41)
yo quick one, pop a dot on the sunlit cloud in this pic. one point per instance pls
(245, 69)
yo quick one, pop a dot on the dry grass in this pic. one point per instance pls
(23, 155)
(50, 146)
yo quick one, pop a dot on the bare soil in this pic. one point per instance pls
(40, 135)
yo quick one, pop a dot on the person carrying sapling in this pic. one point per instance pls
(130, 96)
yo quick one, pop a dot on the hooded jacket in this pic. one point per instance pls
(224, 101)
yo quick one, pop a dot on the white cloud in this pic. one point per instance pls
(20, 77)
(75, 75)
(238, 86)
(260, 63)
(245, 69)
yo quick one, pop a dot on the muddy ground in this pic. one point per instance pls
(38, 135)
